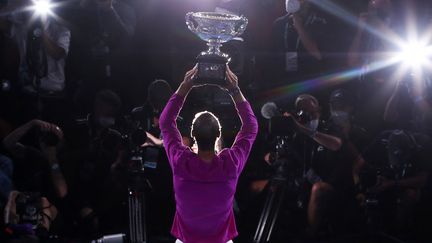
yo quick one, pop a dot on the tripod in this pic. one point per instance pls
(137, 187)
(284, 179)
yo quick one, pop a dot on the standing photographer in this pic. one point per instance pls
(97, 193)
(43, 45)
(38, 175)
(369, 48)
(205, 182)
(301, 41)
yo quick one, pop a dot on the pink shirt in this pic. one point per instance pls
(204, 192)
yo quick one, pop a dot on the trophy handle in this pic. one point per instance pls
(191, 23)
(241, 27)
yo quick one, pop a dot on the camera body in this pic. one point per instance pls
(28, 208)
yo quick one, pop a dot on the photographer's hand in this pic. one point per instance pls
(152, 141)
(329, 141)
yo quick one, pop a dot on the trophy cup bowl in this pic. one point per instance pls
(215, 29)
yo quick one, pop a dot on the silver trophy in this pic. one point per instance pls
(215, 29)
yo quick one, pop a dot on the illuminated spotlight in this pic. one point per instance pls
(42, 8)
(414, 54)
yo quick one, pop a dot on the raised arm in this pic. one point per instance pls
(57, 178)
(171, 136)
(249, 129)
(12, 141)
(354, 58)
(308, 42)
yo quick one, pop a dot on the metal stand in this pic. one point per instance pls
(284, 179)
(271, 210)
(137, 225)
(137, 203)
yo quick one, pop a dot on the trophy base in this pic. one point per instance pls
(211, 69)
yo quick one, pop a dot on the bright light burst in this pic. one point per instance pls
(415, 54)
(412, 55)
(42, 8)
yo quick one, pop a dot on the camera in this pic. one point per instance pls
(28, 208)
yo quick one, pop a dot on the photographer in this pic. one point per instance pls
(369, 48)
(97, 191)
(301, 40)
(37, 172)
(161, 201)
(327, 152)
(53, 41)
(205, 182)
(380, 16)
(43, 45)
(401, 160)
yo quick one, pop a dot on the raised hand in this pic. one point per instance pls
(188, 82)
(231, 80)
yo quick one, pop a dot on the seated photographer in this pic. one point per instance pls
(205, 182)
(37, 173)
(401, 162)
(329, 157)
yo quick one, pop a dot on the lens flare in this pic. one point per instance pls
(415, 54)
(42, 8)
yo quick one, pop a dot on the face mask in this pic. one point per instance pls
(106, 121)
(340, 116)
(313, 124)
(292, 6)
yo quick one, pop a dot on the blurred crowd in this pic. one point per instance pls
(346, 130)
